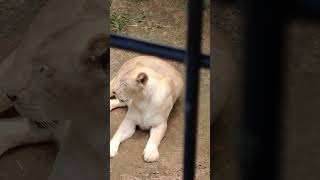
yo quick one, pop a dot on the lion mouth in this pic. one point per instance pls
(122, 99)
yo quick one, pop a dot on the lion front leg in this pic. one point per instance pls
(125, 131)
(19, 131)
(151, 153)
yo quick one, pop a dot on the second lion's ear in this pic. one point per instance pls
(142, 78)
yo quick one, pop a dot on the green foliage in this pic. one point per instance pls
(118, 22)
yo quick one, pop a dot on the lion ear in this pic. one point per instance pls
(98, 50)
(142, 78)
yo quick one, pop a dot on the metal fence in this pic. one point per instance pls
(194, 60)
(266, 24)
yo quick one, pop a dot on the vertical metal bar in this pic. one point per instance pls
(106, 66)
(261, 126)
(192, 81)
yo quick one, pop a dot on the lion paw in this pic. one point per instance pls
(113, 149)
(151, 154)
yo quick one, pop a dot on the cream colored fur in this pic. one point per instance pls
(56, 82)
(149, 87)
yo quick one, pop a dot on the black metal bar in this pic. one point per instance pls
(154, 49)
(306, 9)
(261, 127)
(192, 82)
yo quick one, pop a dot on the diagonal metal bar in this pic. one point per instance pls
(154, 49)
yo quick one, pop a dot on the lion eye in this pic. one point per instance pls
(124, 84)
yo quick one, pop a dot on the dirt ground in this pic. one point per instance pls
(160, 21)
(165, 22)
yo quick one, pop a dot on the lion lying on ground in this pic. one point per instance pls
(55, 79)
(149, 87)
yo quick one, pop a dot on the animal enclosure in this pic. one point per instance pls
(153, 20)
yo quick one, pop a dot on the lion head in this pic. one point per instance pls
(131, 85)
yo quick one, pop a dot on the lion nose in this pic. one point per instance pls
(12, 98)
